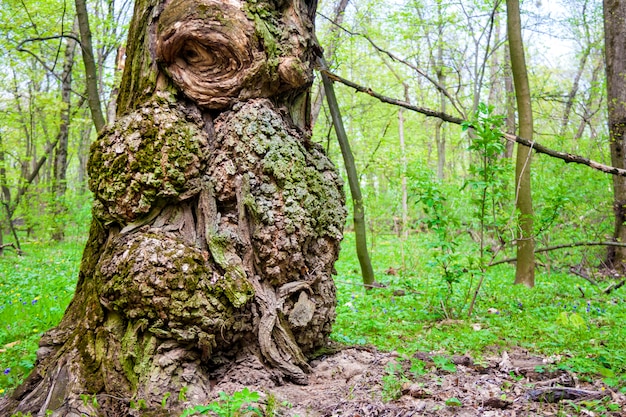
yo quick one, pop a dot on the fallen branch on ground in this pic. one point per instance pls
(556, 394)
(614, 286)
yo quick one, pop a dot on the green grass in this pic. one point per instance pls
(585, 335)
(35, 289)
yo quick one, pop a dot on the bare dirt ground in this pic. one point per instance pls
(350, 383)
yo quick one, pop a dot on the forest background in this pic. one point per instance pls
(439, 197)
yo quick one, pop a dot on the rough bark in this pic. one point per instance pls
(216, 220)
(615, 56)
(525, 268)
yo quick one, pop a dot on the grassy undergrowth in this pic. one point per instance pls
(563, 316)
(35, 289)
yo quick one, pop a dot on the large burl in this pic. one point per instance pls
(216, 220)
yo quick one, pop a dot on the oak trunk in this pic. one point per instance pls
(216, 220)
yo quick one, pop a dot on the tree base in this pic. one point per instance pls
(216, 254)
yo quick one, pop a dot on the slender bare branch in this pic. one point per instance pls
(539, 148)
(564, 246)
(396, 58)
(20, 48)
(567, 157)
(395, 102)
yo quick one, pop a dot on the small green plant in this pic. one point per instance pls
(138, 404)
(164, 399)
(453, 402)
(234, 405)
(418, 367)
(182, 394)
(571, 321)
(90, 400)
(270, 405)
(445, 364)
(392, 382)
(487, 183)
(444, 257)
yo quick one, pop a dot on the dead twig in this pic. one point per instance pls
(614, 286)
(577, 270)
(556, 394)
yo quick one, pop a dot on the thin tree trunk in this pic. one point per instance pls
(525, 268)
(91, 72)
(592, 105)
(510, 103)
(615, 55)
(5, 194)
(329, 54)
(367, 272)
(440, 136)
(495, 89)
(60, 155)
(83, 156)
(405, 197)
(571, 96)
(404, 230)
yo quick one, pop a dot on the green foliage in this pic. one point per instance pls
(588, 342)
(140, 404)
(89, 400)
(444, 363)
(164, 399)
(418, 367)
(487, 174)
(444, 258)
(487, 186)
(34, 292)
(271, 406)
(182, 394)
(392, 382)
(454, 402)
(237, 404)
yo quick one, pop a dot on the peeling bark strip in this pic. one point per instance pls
(216, 220)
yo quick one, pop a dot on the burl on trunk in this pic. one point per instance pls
(216, 220)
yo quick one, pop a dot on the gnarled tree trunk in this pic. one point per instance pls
(216, 220)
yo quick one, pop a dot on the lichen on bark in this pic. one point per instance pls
(156, 153)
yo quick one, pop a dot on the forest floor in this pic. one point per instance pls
(363, 382)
